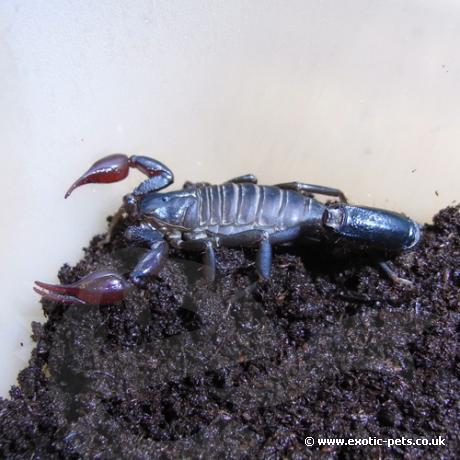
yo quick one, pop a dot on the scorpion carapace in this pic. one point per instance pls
(238, 213)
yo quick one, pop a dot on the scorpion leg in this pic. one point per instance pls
(115, 167)
(128, 208)
(98, 288)
(143, 234)
(311, 188)
(189, 185)
(116, 220)
(151, 263)
(393, 276)
(264, 258)
(153, 260)
(246, 179)
(252, 238)
(205, 246)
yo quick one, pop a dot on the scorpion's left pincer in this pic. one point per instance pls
(98, 288)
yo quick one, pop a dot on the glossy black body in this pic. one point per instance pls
(285, 215)
(229, 209)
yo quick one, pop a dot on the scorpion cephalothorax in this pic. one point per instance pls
(238, 213)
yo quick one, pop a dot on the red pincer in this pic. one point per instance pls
(98, 288)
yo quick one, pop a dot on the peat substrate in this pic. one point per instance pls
(328, 347)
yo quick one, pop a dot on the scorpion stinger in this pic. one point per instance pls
(114, 168)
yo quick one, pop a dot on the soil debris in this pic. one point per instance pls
(328, 347)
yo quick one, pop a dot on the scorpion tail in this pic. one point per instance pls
(373, 228)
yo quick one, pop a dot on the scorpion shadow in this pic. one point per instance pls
(341, 266)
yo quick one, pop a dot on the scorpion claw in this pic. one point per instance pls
(67, 299)
(112, 168)
(98, 288)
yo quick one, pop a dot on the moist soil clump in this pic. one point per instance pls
(328, 347)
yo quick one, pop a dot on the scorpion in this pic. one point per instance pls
(237, 213)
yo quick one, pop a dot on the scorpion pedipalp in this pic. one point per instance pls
(109, 169)
(114, 168)
(98, 288)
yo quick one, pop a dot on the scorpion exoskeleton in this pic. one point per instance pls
(237, 213)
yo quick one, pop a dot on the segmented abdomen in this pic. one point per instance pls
(237, 207)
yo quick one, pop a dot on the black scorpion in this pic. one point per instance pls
(238, 213)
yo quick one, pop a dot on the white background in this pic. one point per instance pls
(362, 95)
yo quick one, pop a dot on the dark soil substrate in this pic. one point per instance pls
(328, 347)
